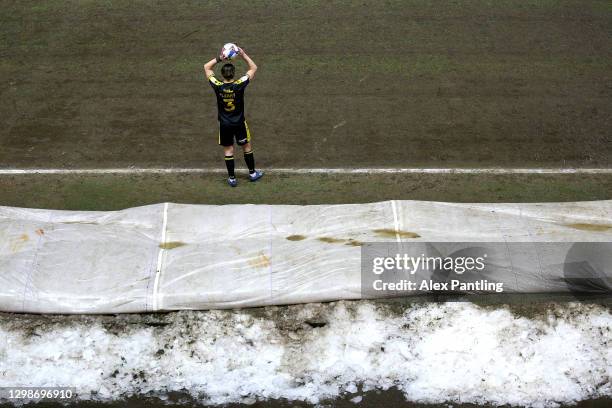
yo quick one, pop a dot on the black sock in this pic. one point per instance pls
(229, 163)
(250, 161)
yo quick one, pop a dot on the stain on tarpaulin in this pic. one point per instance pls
(260, 261)
(345, 241)
(390, 233)
(295, 237)
(331, 240)
(18, 243)
(590, 227)
(328, 240)
(171, 245)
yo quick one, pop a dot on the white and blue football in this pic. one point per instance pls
(230, 51)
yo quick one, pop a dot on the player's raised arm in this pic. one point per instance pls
(249, 61)
(210, 65)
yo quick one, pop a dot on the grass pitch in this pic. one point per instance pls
(413, 83)
(113, 192)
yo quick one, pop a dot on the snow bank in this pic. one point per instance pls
(454, 352)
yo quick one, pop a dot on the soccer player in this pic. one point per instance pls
(230, 104)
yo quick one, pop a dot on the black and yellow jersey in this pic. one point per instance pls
(230, 99)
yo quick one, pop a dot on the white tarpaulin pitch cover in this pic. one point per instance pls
(175, 256)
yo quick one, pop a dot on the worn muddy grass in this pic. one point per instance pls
(113, 192)
(405, 83)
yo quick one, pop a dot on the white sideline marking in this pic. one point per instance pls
(396, 223)
(160, 257)
(280, 170)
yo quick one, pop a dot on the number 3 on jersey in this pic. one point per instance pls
(229, 104)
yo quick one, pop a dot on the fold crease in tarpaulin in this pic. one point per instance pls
(175, 256)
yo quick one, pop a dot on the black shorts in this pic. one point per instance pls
(227, 133)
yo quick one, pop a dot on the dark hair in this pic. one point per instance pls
(227, 71)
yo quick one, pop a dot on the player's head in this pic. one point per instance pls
(227, 71)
